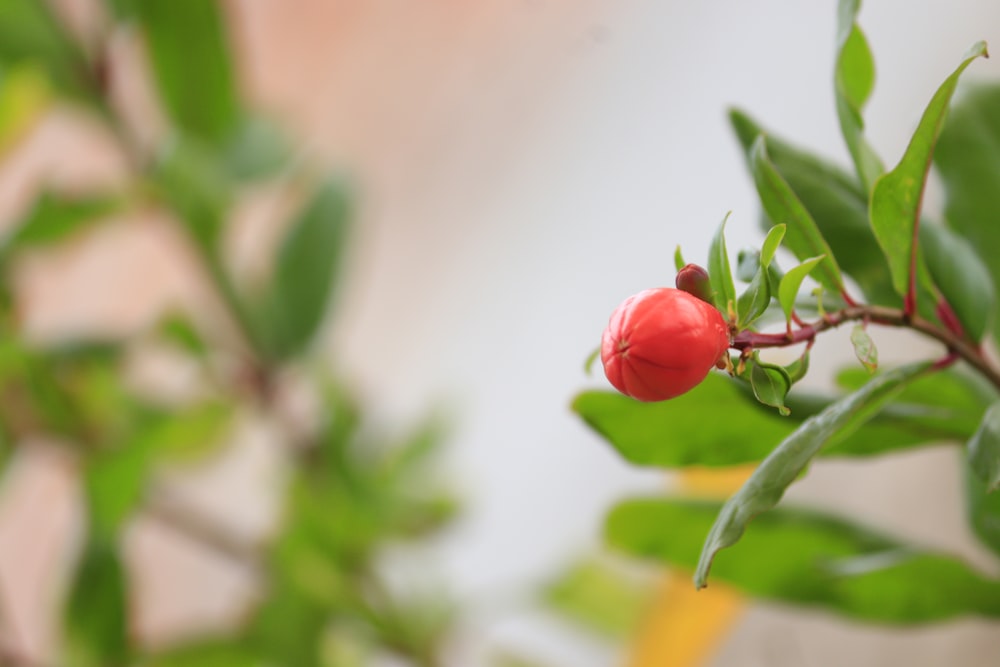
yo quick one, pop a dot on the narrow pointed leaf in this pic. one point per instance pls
(854, 79)
(788, 290)
(897, 197)
(771, 244)
(719, 271)
(755, 300)
(777, 472)
(679, 262)
(864, 348)
(802, 236)
(813, 559)
(96, 612)
(984, 449)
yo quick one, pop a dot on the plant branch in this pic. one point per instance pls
(893, 317)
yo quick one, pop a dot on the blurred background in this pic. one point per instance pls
(515, 170)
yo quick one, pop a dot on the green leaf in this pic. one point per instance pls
(747, 263)
(788, 290)
(771, 243)
(24, 96)
(55, 217)
(984, 449)
(189, 53)
(755, 300)
(783, 465)
(32, 35)
(720, 423)
(222, 652)
(964, 280)
(982, 510)
(967, 161)
(679, 262)
(588, 364)
(809, 558)
(190, 177)
(854, 79)
(864, 348)
(770, 384)
(599, 597)
(96, 612)
(898, 194)
(307, 261)
(116, 479)
(837, 203)
(720, 273)
(803, 236)
(257, 150)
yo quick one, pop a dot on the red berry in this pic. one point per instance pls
(661, 343)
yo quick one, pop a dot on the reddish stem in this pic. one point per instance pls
(956, 344)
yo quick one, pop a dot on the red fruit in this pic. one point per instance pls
(661, 343)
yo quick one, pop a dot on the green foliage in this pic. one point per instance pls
(803, 557)
(599, 596)
(189, 53)
(783, 465)
(896, 198)
(940, 280)
(348, 493)
(304, 268)
(966, 160)
(802, 236)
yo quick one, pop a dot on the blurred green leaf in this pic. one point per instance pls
(193, 181)
(257, 150)
(803, 237)
(897, 196)
(963, 278)
(181, 331)
(984, 449)
(305, 266)
(224, 652)
(116, 479)
(96, 613)
(802, 557)
(864, 348)
(982, 510)
(747, 263)
(31, 34)
(854, 79)
(782, 466)
(966, 159)
(55, 217)
(719, 271)
(679, 262)
(836, 202)
(599, 597)
(788, 290)
(24, 96)
(189, 53)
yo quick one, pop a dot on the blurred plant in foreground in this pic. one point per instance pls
(323, 599)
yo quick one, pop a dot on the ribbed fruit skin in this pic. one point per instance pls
(661, 343)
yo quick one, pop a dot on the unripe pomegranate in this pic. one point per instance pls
(661, 343)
